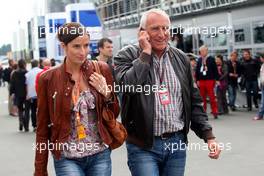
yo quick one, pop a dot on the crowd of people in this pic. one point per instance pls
(22, 97)
(220, 79)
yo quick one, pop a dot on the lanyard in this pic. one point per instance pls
(204, 63)
(161, 76)
(76, 95)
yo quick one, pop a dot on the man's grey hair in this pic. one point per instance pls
(47, 62)
(144, 17)
(203, 47)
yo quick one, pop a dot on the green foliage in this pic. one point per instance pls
(4, 49)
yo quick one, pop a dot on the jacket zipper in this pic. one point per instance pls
(54, 106)
(54, 101)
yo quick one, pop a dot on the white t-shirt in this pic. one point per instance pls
(30, 82)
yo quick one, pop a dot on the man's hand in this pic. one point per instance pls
(213, 148)
(143, 40)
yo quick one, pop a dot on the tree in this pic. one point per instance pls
(4, 49)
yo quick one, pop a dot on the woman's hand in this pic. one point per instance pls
(99, 83)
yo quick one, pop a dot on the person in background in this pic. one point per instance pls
(222, 87)
(18, 88)
(1, 75)
(193, 65)
(53, 62)
(13, 106)
(46, 65)
(207, 78)
(41, 66)
(234, 71)
(260, 114)
(31, 99)
(105, 47)
(6, 78)
(250, 71)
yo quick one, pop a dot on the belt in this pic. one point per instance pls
(169, 135)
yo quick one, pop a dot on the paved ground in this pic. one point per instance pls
(236, 131)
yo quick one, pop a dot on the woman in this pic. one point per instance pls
(70, 102)
(260, 114)
(18, 92)
(12, 105)
(222, 87)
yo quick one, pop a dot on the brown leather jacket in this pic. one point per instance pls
(54, 102)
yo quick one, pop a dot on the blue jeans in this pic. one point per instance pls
(232, 92)
(98, 164)
(261, 109)
(164, 159)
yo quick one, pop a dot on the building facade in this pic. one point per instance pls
(222, 25)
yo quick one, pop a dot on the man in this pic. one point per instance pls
(105, 47)
(234, 71)
(31, 99)
(207, 77)
(250, 71)
(159, 118)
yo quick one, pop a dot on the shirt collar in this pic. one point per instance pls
(164, 55)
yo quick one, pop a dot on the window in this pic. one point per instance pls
(60, 50)
(239, 35)
(42, 52)
(73, 16)
(206, 40)
(89, 18)
(58, 23)
(50, 26)
(258, 31)
(220, 38)
(242, 34)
